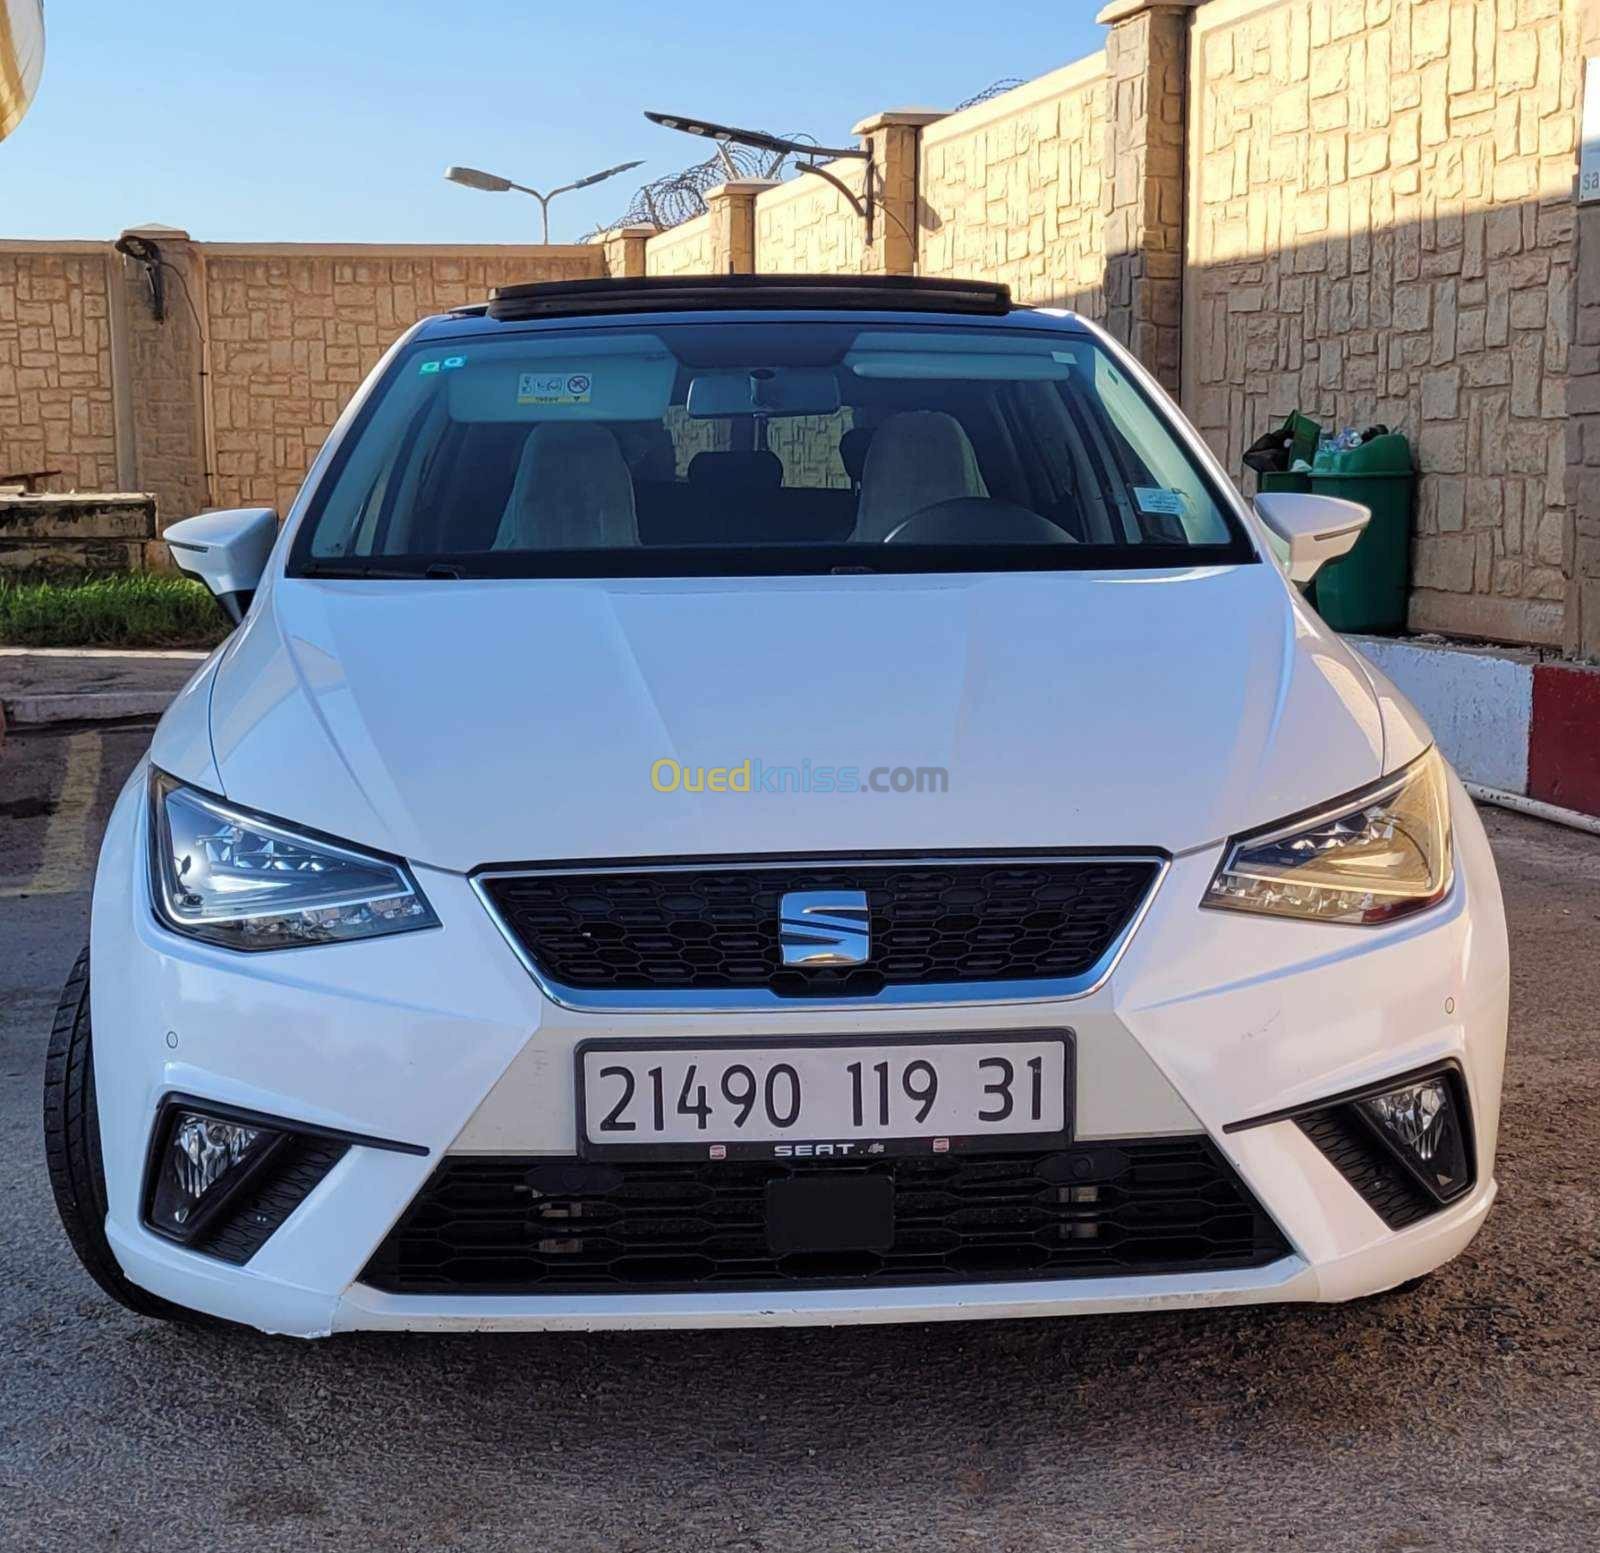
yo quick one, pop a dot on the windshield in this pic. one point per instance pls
(675, 449)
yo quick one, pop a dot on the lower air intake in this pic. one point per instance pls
(265, 1202)
(491, 1225)
(1369, 1167)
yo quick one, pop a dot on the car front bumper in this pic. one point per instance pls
(440, 1039)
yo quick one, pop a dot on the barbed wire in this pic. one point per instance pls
(677, 197)
(995, 89)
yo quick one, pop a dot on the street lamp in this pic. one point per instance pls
(492, 183)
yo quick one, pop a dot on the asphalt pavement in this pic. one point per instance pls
(1462, 1415)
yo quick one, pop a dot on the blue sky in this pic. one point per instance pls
(334, 121)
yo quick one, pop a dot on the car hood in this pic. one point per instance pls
(462, 723)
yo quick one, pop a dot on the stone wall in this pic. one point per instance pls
(163, 389)
(1360, 208)
(684, 250)
(56, 408)
(1145, 164)
(1381, 229)
(1013, 190)
(805, 226)
(294, 331)
(1582, 616)
(225, 399)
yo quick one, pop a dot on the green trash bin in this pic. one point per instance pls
(1284, 480)
(1366, 589)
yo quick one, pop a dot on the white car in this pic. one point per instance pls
(495, 936)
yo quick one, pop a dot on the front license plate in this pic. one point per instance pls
(824, 1098)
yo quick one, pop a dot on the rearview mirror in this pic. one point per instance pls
(764, 391)
(227, 551)
(1314, 529)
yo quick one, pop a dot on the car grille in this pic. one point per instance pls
(1367, 1166)
(256, 1212)
(709, 928)
(492, 1225)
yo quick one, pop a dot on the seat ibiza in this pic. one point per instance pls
(753, 801)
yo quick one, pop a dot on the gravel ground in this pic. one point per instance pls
(1464, 1414)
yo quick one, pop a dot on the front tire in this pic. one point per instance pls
(72, 1149)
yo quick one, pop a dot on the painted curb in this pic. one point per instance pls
(1479, 704)
(1564, 751)
(1507, 721)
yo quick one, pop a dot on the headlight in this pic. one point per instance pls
(1379, 854)
(232, 877)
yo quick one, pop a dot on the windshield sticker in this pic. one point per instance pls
(554, 388)
(447, 364)
(1154, 498)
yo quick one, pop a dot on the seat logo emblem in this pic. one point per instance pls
(825, 927)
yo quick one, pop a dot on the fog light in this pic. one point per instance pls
(1422, 1125)
(202, 1162)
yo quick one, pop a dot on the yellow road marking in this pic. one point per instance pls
(66, 854)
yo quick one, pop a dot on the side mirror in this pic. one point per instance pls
(227, 551)
(1315, 529)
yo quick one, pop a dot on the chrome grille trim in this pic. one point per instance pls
(762, 1000)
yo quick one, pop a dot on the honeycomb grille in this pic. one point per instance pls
(485, 1225)
(267, 1201)
(709, 928)
(1367, 1166)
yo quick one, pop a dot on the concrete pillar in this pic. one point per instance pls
(1581, 549)
(165, 392)
(894, 139)
(1147, 66)
(732, 207)
(624, 250)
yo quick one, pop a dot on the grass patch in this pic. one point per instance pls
(136, 609)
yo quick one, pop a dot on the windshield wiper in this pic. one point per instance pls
(433, 571)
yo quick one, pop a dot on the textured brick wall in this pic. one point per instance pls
(1379, 226)
(624, 249)
(1582, 617)
(684, 250)
(1145, 154)
(166, 420)
(56, 407)
(1012, 190)
(294, 333)
(1381, 229)
(805, 227)
(808, 448)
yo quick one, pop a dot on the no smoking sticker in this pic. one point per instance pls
(554, 388)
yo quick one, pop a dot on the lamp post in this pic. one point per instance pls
(492, 183)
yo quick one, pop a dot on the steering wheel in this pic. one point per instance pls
(965, 520)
